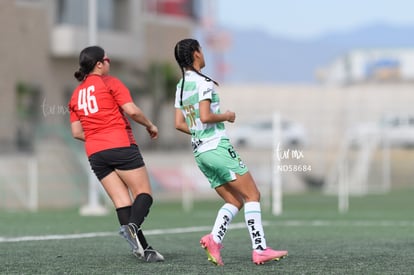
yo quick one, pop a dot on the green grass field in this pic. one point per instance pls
(376, 236)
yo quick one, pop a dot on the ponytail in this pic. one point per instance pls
(80, 75)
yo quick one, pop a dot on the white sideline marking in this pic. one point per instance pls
(106, 234)
(207, 228)
(55, 237)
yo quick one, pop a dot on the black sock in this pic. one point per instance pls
(140, 235)
(142, 239)
(140, 209)
(124, 213)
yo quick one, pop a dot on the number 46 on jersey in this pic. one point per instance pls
(87, 101)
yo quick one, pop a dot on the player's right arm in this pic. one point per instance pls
(180, 123)
(134, 112)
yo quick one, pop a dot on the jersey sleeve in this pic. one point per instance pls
(118, 90)
(205, 91)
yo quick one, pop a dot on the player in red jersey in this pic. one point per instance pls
(97, 109)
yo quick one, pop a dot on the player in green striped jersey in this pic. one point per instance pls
(198, 114)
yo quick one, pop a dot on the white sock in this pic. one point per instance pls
(253, 218)
(224, 217)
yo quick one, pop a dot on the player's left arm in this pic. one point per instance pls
(205, 95)
(77, 130)
(206, 116)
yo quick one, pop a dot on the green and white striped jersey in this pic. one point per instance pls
(204, 136)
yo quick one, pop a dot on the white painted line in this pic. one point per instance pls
(292, 223)
(55, 237)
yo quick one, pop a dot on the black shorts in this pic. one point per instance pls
(122, 158)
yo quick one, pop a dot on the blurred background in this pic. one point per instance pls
(334, 80)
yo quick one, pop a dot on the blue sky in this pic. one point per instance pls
(302, 19)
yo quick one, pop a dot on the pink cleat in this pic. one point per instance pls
(260, 257)
(212, 249)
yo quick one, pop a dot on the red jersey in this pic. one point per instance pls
(96, 103)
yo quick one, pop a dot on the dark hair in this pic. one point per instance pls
(88, 58)
(183, 53)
